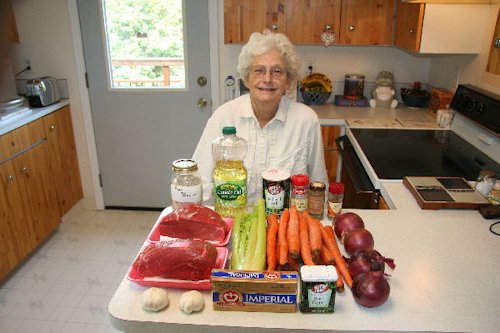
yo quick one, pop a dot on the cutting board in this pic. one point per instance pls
(444, 192)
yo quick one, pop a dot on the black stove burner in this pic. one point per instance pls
(395, 153)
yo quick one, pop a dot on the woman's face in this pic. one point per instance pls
(267, 79)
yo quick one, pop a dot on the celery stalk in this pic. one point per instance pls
(249, 250)
(236, 242)
(259, 254)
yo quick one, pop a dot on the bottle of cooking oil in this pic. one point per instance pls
(230, 174)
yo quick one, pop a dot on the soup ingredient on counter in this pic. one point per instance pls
(282, 242)
(177, 259)
(347, 221)
(191, 301)
(154, 299)
(363, 261)
(357, 239)
(271, 241)
(194, 221)
(248, 249)
(305, 244)
(371, 289)
(331, 244)
(314, 236)
(292, 234)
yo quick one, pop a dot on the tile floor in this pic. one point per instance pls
(66, 285)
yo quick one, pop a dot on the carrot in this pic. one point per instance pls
(305, 247)
(330, 232)
(314, 235)
(340, 283)
(272, 231)
(332, 246)
(282, 228)
(292, 234)
(326, 256)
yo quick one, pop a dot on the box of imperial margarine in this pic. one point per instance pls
(254, 290)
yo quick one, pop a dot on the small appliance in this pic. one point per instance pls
(42, 91)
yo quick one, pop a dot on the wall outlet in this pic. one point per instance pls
(310, 64)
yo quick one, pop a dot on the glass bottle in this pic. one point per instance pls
(299, 194)
(230, 174)
(185, 183)
(316, 203)
(335, 199)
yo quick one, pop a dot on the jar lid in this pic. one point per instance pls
(275, 175)
(318, 273)
(300, 180)
(336, 188)
(318, 186)
(184, 165)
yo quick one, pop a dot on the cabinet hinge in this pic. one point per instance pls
(86, 80)
(100, 180)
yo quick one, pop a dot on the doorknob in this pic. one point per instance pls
(202, 81)
(202, 103)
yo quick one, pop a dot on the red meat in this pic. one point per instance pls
(182, 260)
(193, 221)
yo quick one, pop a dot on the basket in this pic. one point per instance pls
(416, 101)
(315, 97)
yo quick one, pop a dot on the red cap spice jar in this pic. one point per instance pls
(335, 199)
(299, 194)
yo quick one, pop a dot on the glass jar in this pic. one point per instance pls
(185, 184)
(485, 182)
(335, 199)
(299, 194)
(316, 203)
(318, 288)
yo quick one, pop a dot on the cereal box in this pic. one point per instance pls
(440, 99)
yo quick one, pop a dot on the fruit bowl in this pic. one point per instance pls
(315, 97)
(415, 97)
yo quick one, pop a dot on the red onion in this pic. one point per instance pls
(346, 221)
(357, 239)
(370, 289)
(363, 261)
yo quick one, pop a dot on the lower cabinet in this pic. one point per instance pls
(39, 183)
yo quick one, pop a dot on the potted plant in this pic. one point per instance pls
(415, 96)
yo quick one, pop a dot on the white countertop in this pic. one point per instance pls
(446, 276)
(36, 113)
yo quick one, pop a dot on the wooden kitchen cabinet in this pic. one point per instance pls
(63, 158)
(8, 26)
(494, 57)
(440, 28)
(302, 21)
(367, 22)
(329, 134)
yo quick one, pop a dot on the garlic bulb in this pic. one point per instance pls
(191, 301)
(154, 299)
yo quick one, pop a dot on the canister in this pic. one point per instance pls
(318, 288)
(185, 183)
(354, 86)
(276, 190)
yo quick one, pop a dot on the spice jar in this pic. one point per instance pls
(299, 194)
(485, 182)
(185, 184)
(316, 203)
(318, 287)
(335, 199)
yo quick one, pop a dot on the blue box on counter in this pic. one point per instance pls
(256, 291)
(342, 101)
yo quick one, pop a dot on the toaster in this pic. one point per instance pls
(42, 91)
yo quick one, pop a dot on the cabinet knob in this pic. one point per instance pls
(274, 27)
(52, 127)
(352, 28)
(10, 179)
(24, 170)
(497, 43)
(412, 30)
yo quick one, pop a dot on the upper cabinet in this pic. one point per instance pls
(8, 27)
(242, 18)
(367, 22)
(440, 28)
(494, 58)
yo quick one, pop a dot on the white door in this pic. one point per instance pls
(139, 133)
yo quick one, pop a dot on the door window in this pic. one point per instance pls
(144, 44)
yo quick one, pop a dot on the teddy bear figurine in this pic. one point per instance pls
(383, 94)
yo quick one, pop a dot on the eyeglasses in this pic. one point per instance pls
(277, 72)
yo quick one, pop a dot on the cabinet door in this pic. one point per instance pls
(15, 240)
(494, 57)
(306, 20)
(367, 22)
(242, 18)
(330, 133)
(409, 26)
(38, 191)
(21, 138)
(64, 162)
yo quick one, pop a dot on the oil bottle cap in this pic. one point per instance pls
(229, 130)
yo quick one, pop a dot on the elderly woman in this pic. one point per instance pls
(280, 133)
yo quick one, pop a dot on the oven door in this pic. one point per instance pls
(359, 191)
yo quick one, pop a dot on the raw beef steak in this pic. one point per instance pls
(193, 221)
(182, 260)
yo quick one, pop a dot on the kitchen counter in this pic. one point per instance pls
(36, 113)
(446, 279)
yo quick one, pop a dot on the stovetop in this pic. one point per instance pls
(395, 153)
